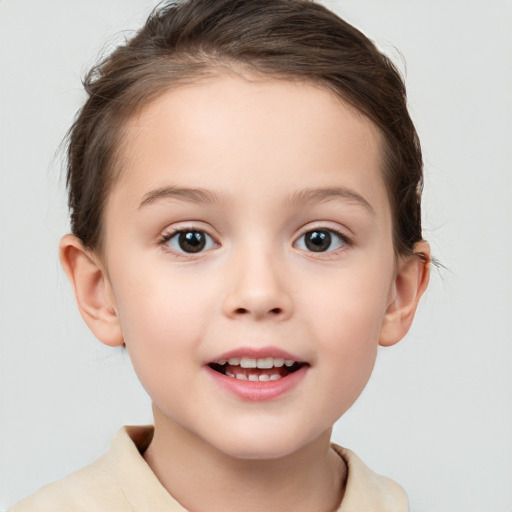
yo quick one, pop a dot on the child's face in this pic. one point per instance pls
(259, 176)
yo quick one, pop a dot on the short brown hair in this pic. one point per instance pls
(291, 39)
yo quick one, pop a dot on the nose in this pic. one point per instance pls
(258, 288)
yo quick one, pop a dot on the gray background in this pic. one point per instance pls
(437, 414)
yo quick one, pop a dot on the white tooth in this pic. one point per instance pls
(264, 377)
(229, 374)
(278, 362)
(288, 362)
(247, 362)
(234, 361)
(275, 377)
(221, 361)
(254, 378)
(265, 362)
(241, 376)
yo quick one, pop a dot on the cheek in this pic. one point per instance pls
(349, 338)
(351, 306)
(154, 305)
(346, 319)
(162, 320)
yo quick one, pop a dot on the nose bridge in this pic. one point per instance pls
(257, 285)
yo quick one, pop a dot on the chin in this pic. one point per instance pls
(264, 444)
(257, 453)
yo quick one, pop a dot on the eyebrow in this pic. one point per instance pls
(193, 195)
(300, 197)
(322, 195)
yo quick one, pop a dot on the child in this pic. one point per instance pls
(244, 185)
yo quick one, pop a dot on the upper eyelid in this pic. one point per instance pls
(167, 235)
(346, 243)
(346, 239)
(323, 226)
(189, 226)
(336, 232)
(344, 232)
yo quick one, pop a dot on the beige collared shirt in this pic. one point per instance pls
(121, 481)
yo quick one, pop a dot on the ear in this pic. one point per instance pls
(411, 280)
(92, 289)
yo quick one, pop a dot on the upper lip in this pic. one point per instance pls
(257, 353)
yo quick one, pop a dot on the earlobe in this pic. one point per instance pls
(92, 290)
(411, 280)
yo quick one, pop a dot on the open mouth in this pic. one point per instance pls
(256, 370)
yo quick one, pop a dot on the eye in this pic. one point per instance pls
(321, 240)
(190, 241)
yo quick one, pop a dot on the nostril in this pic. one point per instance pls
(244, 311)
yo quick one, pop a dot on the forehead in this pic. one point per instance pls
(240, 134)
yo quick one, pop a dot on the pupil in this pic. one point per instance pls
(192, 241)
(318, 241)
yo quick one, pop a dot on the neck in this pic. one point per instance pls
(312, 478)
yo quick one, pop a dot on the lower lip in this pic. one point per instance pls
(258, 391)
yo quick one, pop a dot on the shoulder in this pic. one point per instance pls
(89, 489)
(367, 490)
(99, 487)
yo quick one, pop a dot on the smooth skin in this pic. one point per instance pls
(254, 165)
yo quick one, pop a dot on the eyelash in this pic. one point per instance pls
(344, 240)
(168, 236)
(164, 240)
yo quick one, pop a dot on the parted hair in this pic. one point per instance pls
(185, 40)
